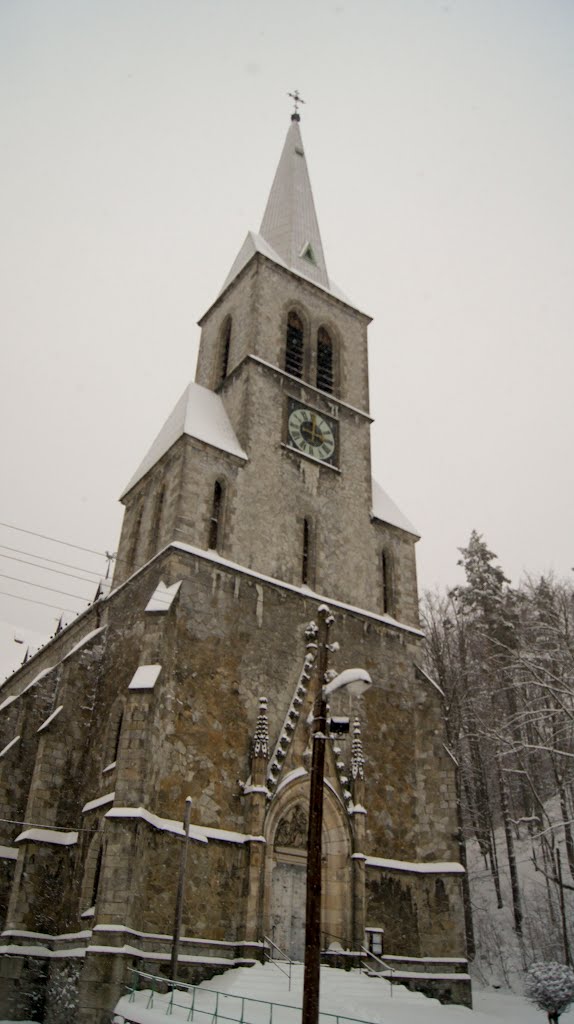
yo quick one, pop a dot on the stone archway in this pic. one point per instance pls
(286, 870)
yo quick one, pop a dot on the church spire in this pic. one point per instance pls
(290, 223)
(289, 233)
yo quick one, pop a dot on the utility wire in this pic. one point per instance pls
(56, 828)
(41, 586)
(54, 561)
(66, 543)
(47, 568)
(30, 600)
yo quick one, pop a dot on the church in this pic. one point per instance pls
(253, 514)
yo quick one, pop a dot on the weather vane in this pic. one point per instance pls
(297, 100)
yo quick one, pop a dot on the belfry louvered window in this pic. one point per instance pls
(294, 346)
(325, 376)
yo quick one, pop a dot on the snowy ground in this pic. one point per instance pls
(345, 994)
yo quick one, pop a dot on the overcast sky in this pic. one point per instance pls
(140, 139)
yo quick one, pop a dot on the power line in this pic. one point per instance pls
(47, 568)
(54, 561)
(57, 828)
(41, 586)
(30, 600)
(66, 543)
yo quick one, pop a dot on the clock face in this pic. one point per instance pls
(311, 433)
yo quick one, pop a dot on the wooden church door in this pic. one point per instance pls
(288, 880)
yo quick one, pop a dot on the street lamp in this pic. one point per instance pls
(356, 680)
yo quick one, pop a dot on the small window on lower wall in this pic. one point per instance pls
(375, 943)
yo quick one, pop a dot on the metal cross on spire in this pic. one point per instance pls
(297, 100)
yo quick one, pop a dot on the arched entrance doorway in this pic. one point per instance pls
(287, 870)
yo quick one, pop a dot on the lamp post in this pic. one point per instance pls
(357, 681)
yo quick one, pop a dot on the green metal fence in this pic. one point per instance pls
(210, 1006)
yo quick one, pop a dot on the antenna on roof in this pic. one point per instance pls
(297, 100)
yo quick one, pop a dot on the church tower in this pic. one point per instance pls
(252, 515)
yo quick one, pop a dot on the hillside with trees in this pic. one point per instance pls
(504, 658)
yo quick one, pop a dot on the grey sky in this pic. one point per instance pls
(140, 141)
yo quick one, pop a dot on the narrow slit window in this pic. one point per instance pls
(294, 346)
(97, 873)
(133, 547)
(117, 739)
(215, 520)
(155, 528)
(386, 580)
(325, 376)
(306, 552)
(224, 351)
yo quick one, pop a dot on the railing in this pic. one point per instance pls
(276, 961)
(382, 963)
(219, 1006)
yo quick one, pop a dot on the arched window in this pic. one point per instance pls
(306, 554)
(325, 373)
(224, 344)
(294, 345)
(215, 519)
(387, 582)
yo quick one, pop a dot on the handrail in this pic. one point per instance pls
(271, 959)
(214, 1012)
(378, 960)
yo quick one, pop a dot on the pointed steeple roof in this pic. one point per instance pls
(290, 223)
(289, 233)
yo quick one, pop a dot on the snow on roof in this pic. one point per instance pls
(162, 598)
(255, 243)
(36, 679)
(449, 867)
(8, 701)
(145, 677)
(213, 556)
(9, 745)
(8, 853)
(424, 676)
(47, 835)
(162, 824)
(51, 718)
(201, 833)
(98, 802)
(85, 640)
(199, 413)
(385, 509)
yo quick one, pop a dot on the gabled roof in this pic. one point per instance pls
(289, 233)
(385, 509)
(200, 413)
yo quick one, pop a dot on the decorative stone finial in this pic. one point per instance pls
(261, 737)
(357, 756)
